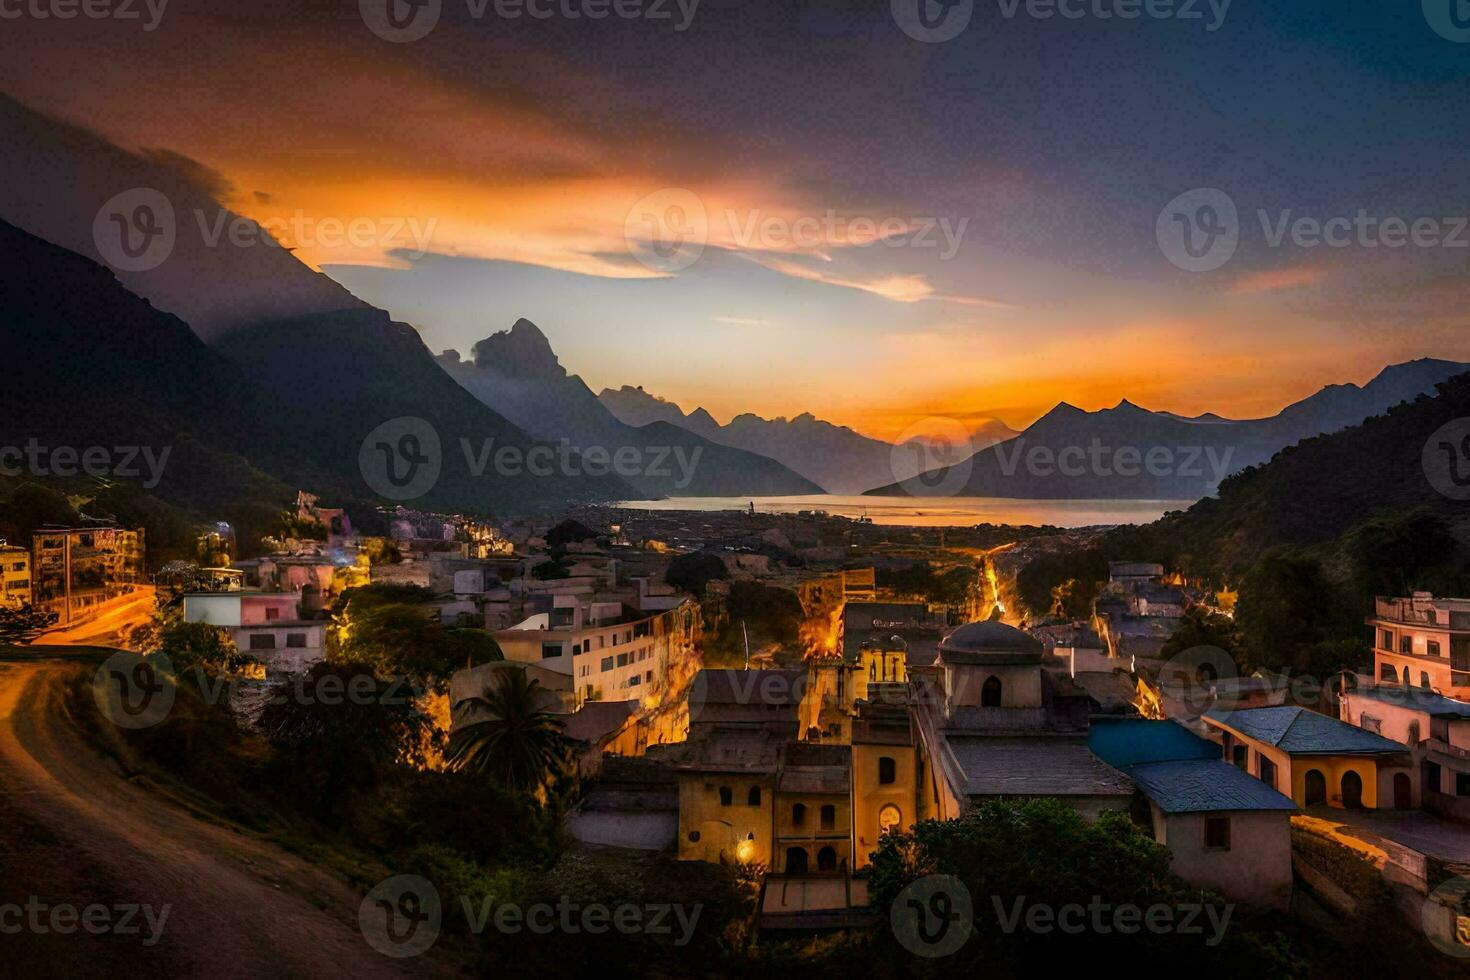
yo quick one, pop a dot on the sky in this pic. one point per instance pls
(803, 206)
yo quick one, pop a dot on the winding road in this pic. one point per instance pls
(75, 831)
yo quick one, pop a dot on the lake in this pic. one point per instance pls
(937, 511)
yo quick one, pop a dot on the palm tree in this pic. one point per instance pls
(518, 741)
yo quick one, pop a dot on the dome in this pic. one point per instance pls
(990, 636)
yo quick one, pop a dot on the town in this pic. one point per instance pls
(785, 695)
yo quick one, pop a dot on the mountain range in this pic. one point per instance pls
(516, 373)
(1128, 452)
(841, 460)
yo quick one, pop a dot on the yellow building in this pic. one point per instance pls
(1314, 759)
(813, 809)
(15, 575)
(885, 770)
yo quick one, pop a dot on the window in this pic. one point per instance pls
(549, 650)
(1240, 754)
(798, 815)
(1385, 640)
(887, 770)
(1432, 773)
(727, 796)
(1217, 833)
(622, 660)
(1406, 644)
(1266, 770)
(888, 819)
(272, 612)
(296, 640)
(576, 649)
(1424, 679)
(607, 663)
(753, 798)
(694, 837)
(1386, 672)
(990, 693)
(829, 816)
(1462, 784)
(1370, 724)
(634, 681)
(1434, 648)
(827, 859)
(262, 641)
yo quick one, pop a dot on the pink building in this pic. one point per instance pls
(1423, 642)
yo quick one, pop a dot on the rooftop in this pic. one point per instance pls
(1204, 785)
(1035, 765)
(1416, 699)
(1299, 731)
(987, 642)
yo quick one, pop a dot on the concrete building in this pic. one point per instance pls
(610, 651)
(1421, 641)
(992, 724)
(885, 770)
(1316, 760)
(1436, 729)
(75, 570)
(15, 575)
(266, 625)
(1224, 830)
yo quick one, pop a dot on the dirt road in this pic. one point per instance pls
(122, 613)
(74, 831)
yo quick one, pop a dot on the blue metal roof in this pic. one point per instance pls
(1204, 785)
(1298, 731)
(1124, 742)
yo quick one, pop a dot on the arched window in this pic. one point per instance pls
(990, 692)
(798, 815)
(727, 796)
(1387, 673)
(889, 819)
(1424, 679)
(1316, 785)
(826, 859)
(1407, 682)
(795, 860)
(1352, 790)
(887, 770)
(829, 816)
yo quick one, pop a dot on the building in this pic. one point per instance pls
(1224, 830)
(813, 809)
(992, 724)
(74, 570)
(266, 625)
(610, 651)
(885, 769)
(1315, 759)
(1436, 729)
(15, 575)
(1423, 642)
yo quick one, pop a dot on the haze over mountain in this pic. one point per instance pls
(327, 369)
(1127, 452)
(836, 457)
(516, 373)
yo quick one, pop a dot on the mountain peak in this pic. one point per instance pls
(520, 352)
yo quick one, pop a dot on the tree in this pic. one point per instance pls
(1202, 628)
(569, 532)
(1015, 856)
(517, 742)
(1064, 582)
(339, 729)
(1287, 608)
(692, 572)
(22, 624)
(191, 646)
